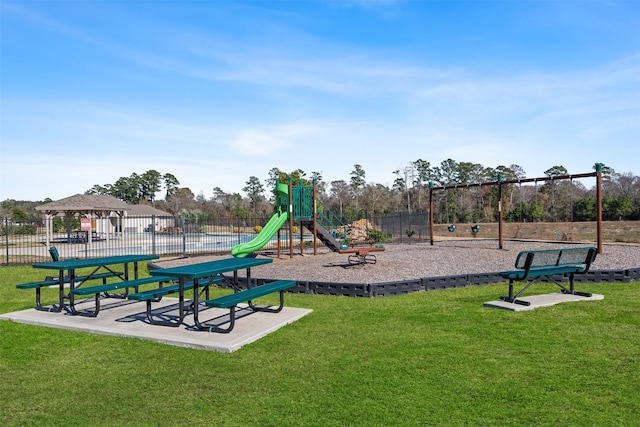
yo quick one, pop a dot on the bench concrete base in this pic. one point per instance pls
(538, 301)
(128, 319)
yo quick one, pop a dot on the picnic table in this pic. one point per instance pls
(102, 268)
(195, 276)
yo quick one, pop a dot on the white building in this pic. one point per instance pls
(146, 218)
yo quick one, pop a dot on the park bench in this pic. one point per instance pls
(105, 288)
(54, 281)
(361, 255)
(534, 265)
(232, 300)
(155, 295)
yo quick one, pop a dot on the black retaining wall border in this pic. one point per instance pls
(395, 288)
(597, 276)
(401, 287)
(485, 278)
(446, 282)
(340, 289)
(634, 273)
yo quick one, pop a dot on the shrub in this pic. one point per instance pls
(378, 236)
(26, 229)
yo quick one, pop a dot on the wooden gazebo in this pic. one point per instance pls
(85, 205)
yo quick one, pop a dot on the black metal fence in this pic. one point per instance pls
(404, 226)
(26, 243)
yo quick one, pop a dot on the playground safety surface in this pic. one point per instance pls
(128, 319)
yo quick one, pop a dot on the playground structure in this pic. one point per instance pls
(299, 204)
(501, 181)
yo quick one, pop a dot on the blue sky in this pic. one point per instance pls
(217, 91)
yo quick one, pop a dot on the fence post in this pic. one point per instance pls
(6, 238)
(238, 227)
(184, 236)
(431, 212)
(153, 234)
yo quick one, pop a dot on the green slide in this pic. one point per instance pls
(271, 228)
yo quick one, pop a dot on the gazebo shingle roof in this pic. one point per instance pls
(85, 202)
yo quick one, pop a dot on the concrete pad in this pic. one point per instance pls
(538, 301)
(128, 319)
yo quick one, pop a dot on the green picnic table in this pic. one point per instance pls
(103, 267)
(196, 275)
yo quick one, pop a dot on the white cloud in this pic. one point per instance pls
(255, 143)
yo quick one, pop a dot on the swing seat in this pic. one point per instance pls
(451, 228)
(475, 228)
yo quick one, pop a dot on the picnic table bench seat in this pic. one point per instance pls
(155, 295)
(232, 300)
(106, 288)
(158, 293)
(82, 278)
(54, 281)
(533, 265)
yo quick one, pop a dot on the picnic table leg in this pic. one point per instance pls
(52, 307)
(269, 309)
(72, 285)
(212, 328)
(60, 293)
(234, 284)
(195, 305)
(126, 279)
(72, 299)
(181, 310)
(87, 313)
(135, 276)
(39, 304)
(218, 329)
(248, 277)
(126, 276)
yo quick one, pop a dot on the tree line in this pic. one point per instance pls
(355, 198)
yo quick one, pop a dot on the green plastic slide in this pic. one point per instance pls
(271, 228)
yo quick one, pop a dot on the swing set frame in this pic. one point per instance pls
(501, 181)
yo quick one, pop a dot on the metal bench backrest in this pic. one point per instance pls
(54, 253)
(556, 257)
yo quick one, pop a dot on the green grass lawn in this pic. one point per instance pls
(436, 358)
